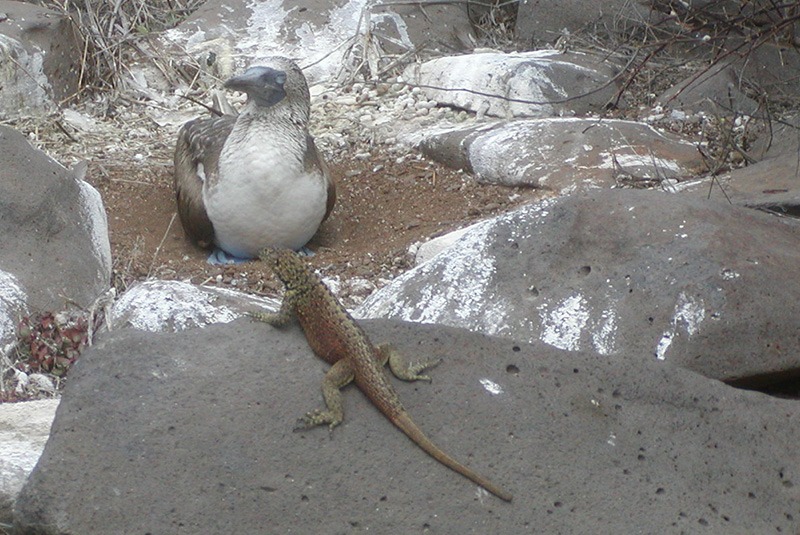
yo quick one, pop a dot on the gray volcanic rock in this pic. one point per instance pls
(544, 21)
(13, 305)
(772, 184)
(562, 154)
(54, 228)
(716, 92)
(542, 83)
(158, 305)
(626, 274)
(40, 55)
(191, 433)
(24, 428)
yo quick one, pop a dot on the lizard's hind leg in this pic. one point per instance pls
(339, 376)
(402, 368)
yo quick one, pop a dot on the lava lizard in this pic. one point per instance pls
(335, 337)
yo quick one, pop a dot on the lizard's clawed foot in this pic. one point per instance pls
(414, 369)
(266, 317)
(276, 319)
(316, 418)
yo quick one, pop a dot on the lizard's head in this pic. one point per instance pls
(287, 266)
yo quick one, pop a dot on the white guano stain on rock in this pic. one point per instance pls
(563, 323)
(639, 161)
(491, 387)
(462, 298)
(534, 78)
(460, 281)
(24, 429)
(95, 215)
(689, 314)
(465, 281)
(157, 306)
(729, 274)
(26, 86)
(605, 332)
(266, 19)
(522, 152)
(271, 30)
(182, 303)
(12, 304)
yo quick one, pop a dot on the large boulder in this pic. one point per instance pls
(628, 274)
(562, 154)
(542, 83)
(190, 433)
(54, 228)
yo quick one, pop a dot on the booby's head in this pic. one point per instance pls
(264, 85)
(269, 84)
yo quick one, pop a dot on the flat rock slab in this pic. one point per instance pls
(190, 433)
(24, 428)
(160, 305)
(625, 273)
(562, 154)
(542, 83)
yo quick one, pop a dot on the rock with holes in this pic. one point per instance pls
(191, 432)
(40, 58)
(563, 154)
(627, 274)
(55, 249)
(158, 305)
(541, 83)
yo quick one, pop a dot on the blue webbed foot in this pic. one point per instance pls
(305, 251)
(219, 257)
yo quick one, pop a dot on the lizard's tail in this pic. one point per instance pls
(406, 425)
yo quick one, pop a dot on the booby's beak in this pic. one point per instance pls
(265, 85)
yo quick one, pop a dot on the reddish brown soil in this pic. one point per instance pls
(377, 217)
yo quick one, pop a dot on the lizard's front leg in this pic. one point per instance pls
(339, 376)
(401, 368)
(283, 316)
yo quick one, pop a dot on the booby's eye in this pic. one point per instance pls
(280, 78)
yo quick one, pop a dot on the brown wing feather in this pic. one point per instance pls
(199, 142)
(313, 160)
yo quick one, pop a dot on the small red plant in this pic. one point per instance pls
(52, 343)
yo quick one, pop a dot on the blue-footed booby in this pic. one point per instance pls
(254, 180)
